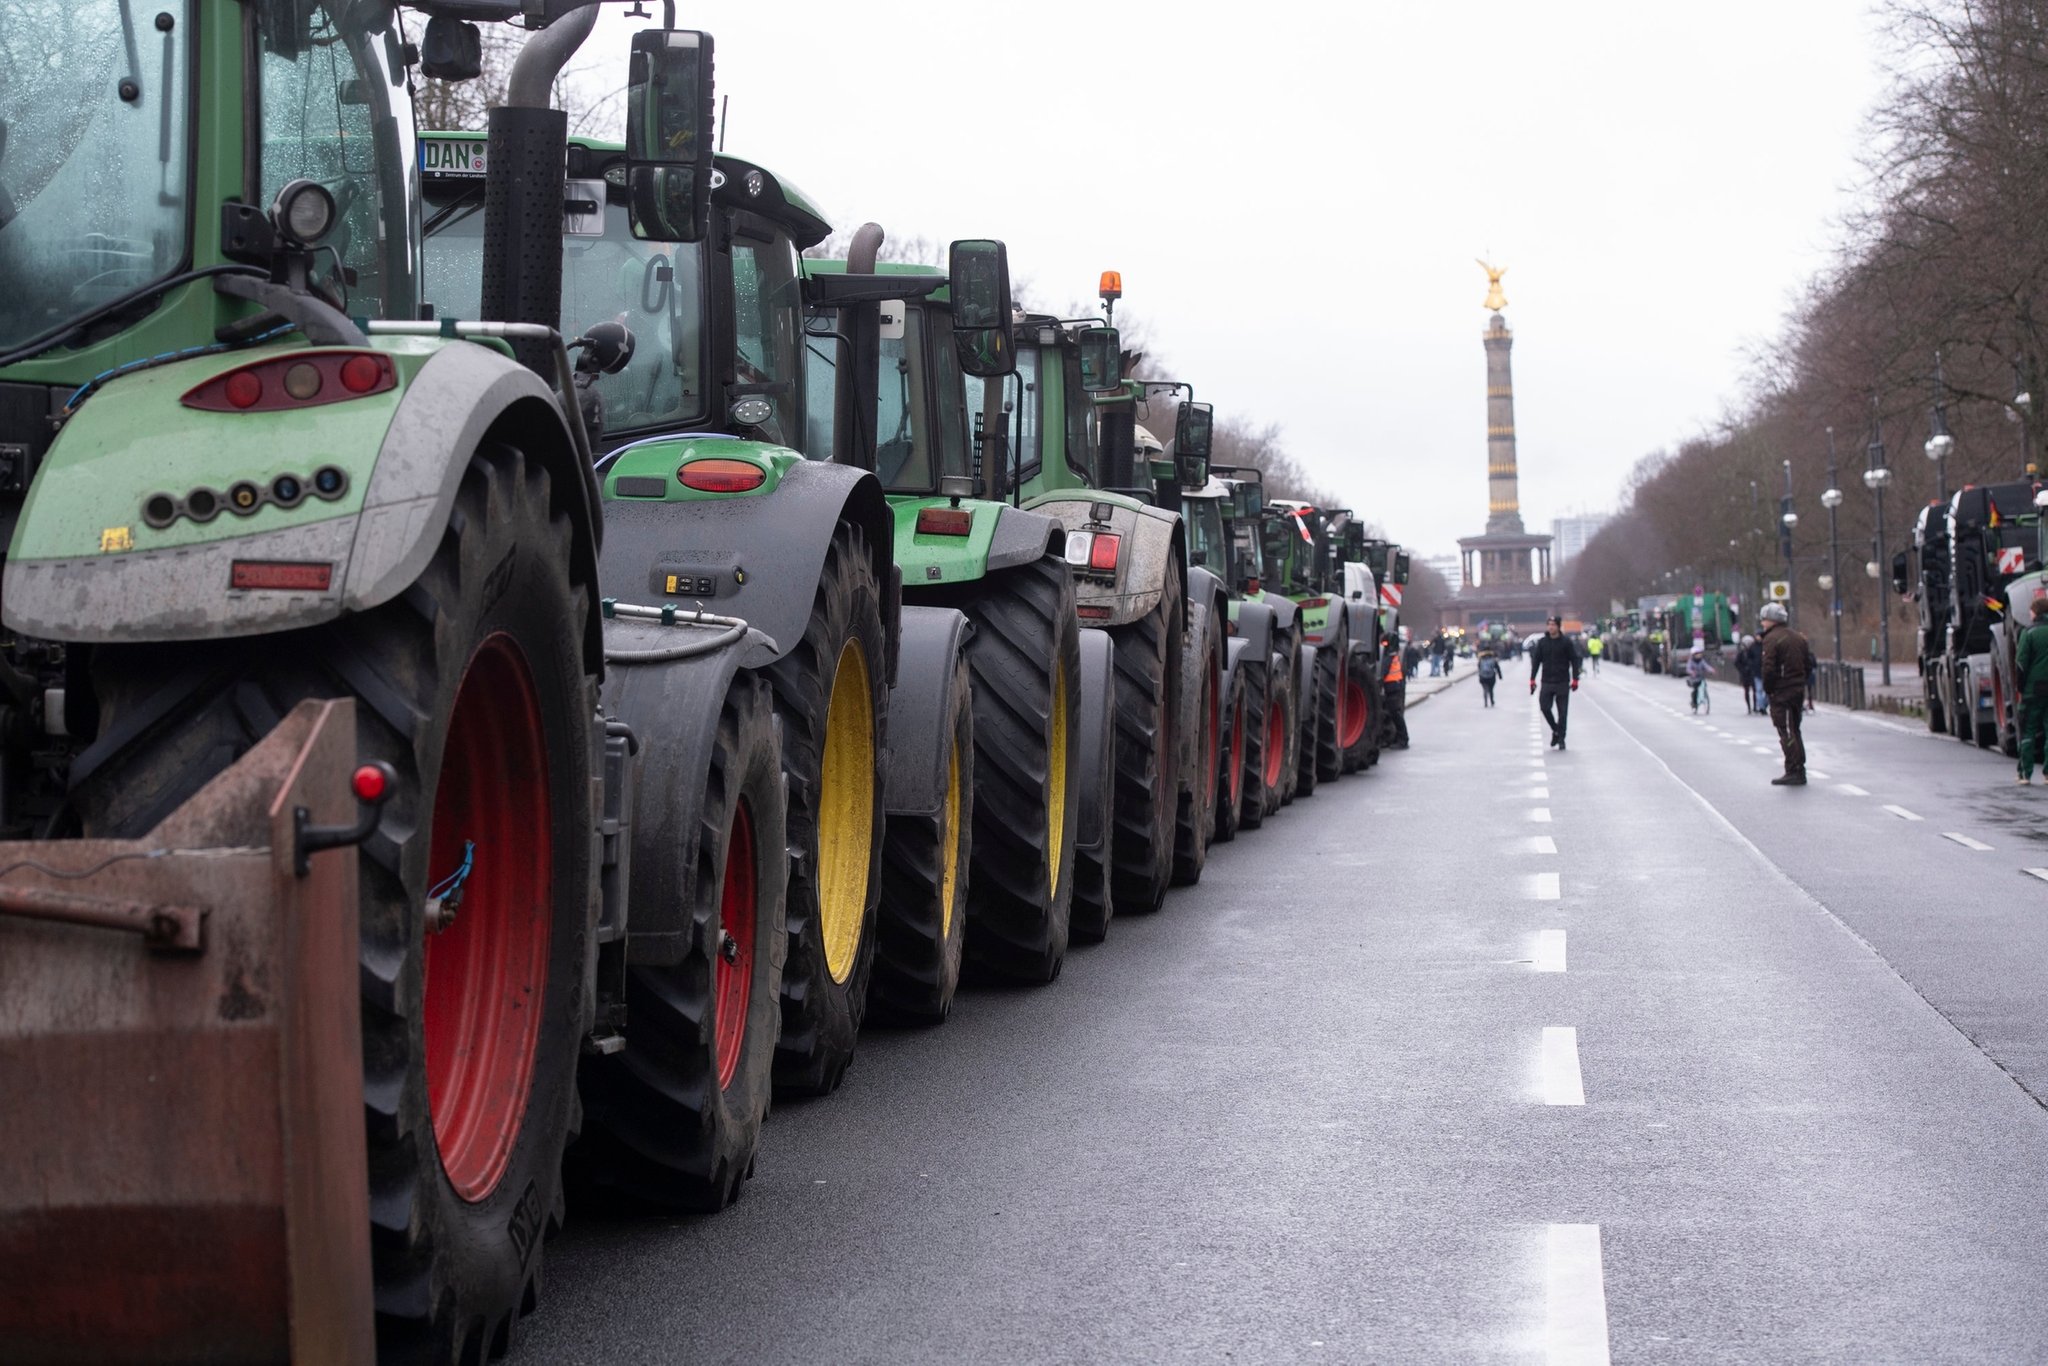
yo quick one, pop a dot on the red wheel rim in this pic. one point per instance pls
(1237, 750)
(1351, 722)
(486, 973)
(1276, 741)
(736, 913)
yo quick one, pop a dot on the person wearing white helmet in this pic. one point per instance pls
(1787, 661)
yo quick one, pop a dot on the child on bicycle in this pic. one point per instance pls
(1696, 670)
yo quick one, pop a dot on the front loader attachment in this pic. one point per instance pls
(184, 1175)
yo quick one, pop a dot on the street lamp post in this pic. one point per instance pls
(1788, 519)
(2022, 406)
(1830, 582)
(1874, 479)
(1940, 445)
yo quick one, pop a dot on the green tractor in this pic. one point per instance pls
(1354, 578)
(1299, 553)
(1067, 456)
(1040, 686)
(241, 477)
(1268, 624)
(737, 469)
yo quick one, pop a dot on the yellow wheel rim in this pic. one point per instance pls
(846, 812)
(1056, 801)
(949, 837)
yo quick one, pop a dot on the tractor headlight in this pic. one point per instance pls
(304, 212)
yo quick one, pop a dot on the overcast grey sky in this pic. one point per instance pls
(1295, 194)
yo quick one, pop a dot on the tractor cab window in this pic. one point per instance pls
(333, 107)
(655, 288)
(94, 157)
(822, 353)
(767, 311)
(1207, 546)
(1080, 420)
(947, 384)
(1021, 405)
(903, 456)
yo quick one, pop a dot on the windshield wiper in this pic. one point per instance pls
(451, 214)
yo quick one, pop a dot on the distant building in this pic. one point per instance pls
(1450, 566)
(1568, 536)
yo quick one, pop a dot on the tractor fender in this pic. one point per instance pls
(1152, 541)
(1305, 670)
(460, 396)
(1205, 588)
(1097, 719)
(1255, 628)
(1234, 650)
(762, 555)
(1023, 537)
(1285, 612)
(915, 780)
(1194, 650)
(672, 706)
(464, 396)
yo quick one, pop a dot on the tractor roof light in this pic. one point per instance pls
(1112, 286)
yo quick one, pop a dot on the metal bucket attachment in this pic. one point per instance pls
(182, 1170)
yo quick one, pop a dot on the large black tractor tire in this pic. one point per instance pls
(1962, 712)
(1147, 786)
(1333, 665)
(674, 1119)
(1258, 795)
(1201, 728)
(471, 684)
(1094, 903)
(1230, 759)
(1287, 681)
(1308, 718)
(921, 927)
(1363, 704)
(828, 692)
(1937, 717)
(1025, 654)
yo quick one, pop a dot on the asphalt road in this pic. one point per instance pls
(1494, 1054)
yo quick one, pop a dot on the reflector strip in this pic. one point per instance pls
(280, 576)
(945, 522)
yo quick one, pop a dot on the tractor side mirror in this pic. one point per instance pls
(978, 283)
(669, 151)
(1401, 567)
(1191, 441)
(1249, 496)
(1901, 581)
(1101, 359)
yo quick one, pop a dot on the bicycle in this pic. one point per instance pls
(1702, 701)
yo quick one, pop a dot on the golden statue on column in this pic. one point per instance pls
(1495, 300)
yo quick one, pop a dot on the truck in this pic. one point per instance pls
(1958, 566)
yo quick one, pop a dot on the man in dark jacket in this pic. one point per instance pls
(1786, 663)
(1554, 662)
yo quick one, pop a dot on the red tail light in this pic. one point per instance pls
(1090, 612)
(945, 522)
(1311, 604)
(721, 476)
(282, 576)
(304, 379)
(1095, 551)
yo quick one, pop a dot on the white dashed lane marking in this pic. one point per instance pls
(1966, 841)
(1574, 1297)
(2041, 873)
(1902, 813)
(1549, 951)
(1538, 793)
(1561, 1083)
(1543, 886)
(1849, 790)
(1542, 844)
(1540, 813)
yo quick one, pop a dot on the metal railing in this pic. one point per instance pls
(1841, 684)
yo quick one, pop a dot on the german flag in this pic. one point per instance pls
(1995, 520)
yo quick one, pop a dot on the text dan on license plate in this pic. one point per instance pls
(452, 156)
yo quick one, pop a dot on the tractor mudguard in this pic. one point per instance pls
(137, 583)
(1306, 681)
(758, 558)
(916, 781)
(1285, 613)
(1255, 628)
(673, 707)
(1206, 589)
(1235, 649)
(1022, 537)
(1097, 720)
(1152, 540)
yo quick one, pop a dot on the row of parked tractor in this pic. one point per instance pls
(704, 649)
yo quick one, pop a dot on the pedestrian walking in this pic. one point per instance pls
(1489, 674)
(2033, 698)
(1594, 649)
(1411, 660)
(1748, 665)
(1554, 664)
(1786, 661)
(1394, 692)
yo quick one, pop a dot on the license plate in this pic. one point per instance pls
(452, 156)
